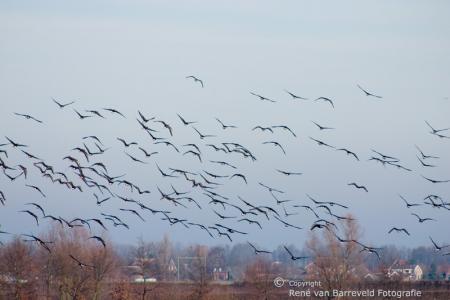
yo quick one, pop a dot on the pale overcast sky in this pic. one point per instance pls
(134, 55)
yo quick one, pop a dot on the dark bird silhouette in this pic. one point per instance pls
(421, 220)
(79, 263)
(29, 155)
(196, 79)
(322, 127)
(424, 156)
(295, 96)
(239, 175)
(287, 173)
(95, 112)
(434, 180)
(276, 144)
(368, 93)
(320, 143)
(28, 117)
(293, 257)
(14, 144)
(225, 126)
(194, 153)
(250, 222)
(114, 111)
(348, 152)
(145, 119)
(168, 144)
(399, 230)
(99, 239)
(81, 116)
(262, 128)
(436, 131)
(284, 127)
(201, 135)
(326, 100)
(186, 123)
(257, 251)
(358, 186)
(408, 205)
(37, 206)
(134, 158)
(436, 246)
(425, 164)
(39, 241)
(286, 224)
(222, 216)
(32, 214)
(386, 157)
(147, 154)
(270, 189)
(37, 189)
(61, 105)
(223, 163)
(125, 143)
(262, 98)
(133, 212)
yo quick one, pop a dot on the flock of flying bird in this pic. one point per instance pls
(89, 174)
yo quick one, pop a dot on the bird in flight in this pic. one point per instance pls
(257, 251)
(186, 123)
(421, 220)
(295, 96)
(424, 156)
(399, 230)
(287, 173)
(434, 180)
(28, 117)
(61, 106)
(225, 126)
(276, 144)
(293, 257)
(325, 99)
(408, 205)
(114, 111)
(320, 143)
(285, 128)
(435, 131)
(425, 164)
(322, 127)
(196, 79)
(358, 186)
(436, 246)
(99, 239)
(79, 263)
(262, 98)
(368, 93)
(348, 152)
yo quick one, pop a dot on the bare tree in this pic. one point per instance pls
(336, 263)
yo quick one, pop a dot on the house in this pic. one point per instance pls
(401, 270)
(220, 274)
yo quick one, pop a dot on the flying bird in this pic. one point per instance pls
(295, 96)
(61, 106)
(262, 98)
(196, 79)
(257, 251)
(399, 230)
(293, 257)
(325, 99)
(28, 117)
(368, 93)
(358, 186)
